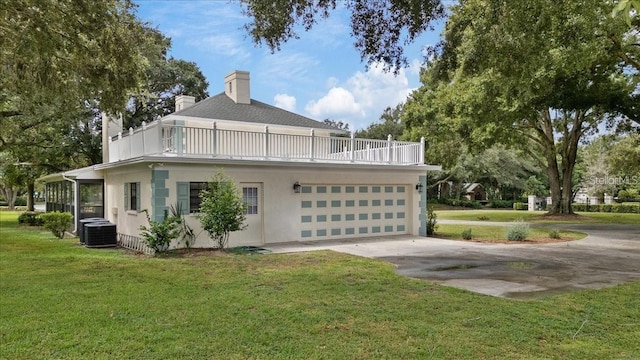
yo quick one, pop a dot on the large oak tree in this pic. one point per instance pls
(538, 74)
(54, 54)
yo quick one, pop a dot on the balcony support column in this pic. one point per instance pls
(353, 147)
(389, 140)
(214, 139)
(312, 145)
(266, 141)
(161, 143)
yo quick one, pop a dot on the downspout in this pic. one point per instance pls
(76, 203)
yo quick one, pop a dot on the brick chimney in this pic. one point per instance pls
(184, 101)
(236, 86)
(111, 126)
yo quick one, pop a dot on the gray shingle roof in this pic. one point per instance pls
(223, 108)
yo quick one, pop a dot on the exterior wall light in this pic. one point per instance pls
(296, 187)
(419, 187)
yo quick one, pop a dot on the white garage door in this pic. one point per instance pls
(343, 211)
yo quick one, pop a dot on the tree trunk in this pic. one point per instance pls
(10, 195)
(560, 174)
(30, 199)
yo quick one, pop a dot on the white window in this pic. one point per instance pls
(132, 196)
(194, 195)
(250, 197)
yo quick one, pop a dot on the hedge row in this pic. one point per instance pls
(500, 204)
(31, 218)
(520, 206)
(463, 203)
(609, 208)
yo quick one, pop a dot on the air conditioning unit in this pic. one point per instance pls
(85, 221)
(100, 234)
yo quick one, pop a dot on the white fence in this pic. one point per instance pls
(170, 139)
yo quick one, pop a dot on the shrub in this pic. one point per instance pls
(554, 234)
(187, 235)
(483, 218)
(57, 222)
(31, 218)
(159, 234)
(501, 204)
(431, 222)
(628, 208)
(463, 203)
(519, 231)
(520, 206)
(222, 210)
(467, 235)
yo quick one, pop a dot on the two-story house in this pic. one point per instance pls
(302, 179)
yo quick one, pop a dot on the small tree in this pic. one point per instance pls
(222, 210)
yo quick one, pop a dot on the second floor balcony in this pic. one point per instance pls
(207, 140)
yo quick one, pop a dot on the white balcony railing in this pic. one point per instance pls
(163, 139)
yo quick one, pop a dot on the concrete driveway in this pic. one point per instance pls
(609, 256)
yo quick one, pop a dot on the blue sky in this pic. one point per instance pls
(319, 75)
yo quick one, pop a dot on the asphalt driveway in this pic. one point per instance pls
(609, 255)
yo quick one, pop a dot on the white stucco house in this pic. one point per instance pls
(302, 179)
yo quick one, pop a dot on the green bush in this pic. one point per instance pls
(520, 206)
(21, 201)
(467, 234)
(431, 222)
(463, 203)
(31, 218)
(627, 208)
(519, 231)
(159, 234)
(501, 204)
(57, 222)
(554, 234)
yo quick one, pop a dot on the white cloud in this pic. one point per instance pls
(361, 99)
(337, 103)
(285, 101)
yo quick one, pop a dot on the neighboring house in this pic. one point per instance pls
(468, 191)
(474, 191)
(300, 181)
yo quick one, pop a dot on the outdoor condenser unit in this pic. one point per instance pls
(100, 235)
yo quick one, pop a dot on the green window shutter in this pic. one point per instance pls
(126, 196)
(183, 197)
(138, 196)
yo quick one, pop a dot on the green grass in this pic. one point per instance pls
(497, 233)
(536, 216)
(61, 301)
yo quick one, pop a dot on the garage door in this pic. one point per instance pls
(343, 211)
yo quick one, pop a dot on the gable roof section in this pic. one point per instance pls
(223, 108)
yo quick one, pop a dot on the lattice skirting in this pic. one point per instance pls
(134, 243)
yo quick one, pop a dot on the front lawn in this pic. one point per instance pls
(537, 216)
(62, 301)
